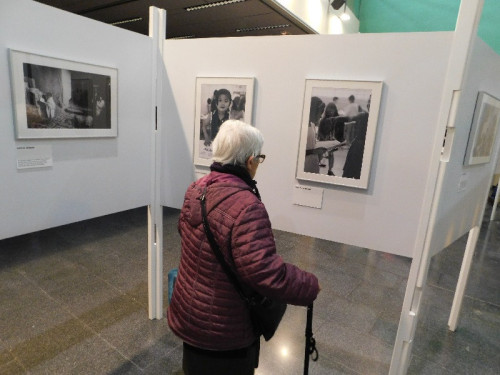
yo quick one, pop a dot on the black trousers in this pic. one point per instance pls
(196, 361)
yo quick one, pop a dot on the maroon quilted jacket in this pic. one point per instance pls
(205, 310)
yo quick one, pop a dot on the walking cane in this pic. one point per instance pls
(310, 342)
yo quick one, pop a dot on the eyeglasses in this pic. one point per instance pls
(260, 158)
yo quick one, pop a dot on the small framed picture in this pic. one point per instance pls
(57, 98)
(218, 100)
(337, 136)
(483, 129)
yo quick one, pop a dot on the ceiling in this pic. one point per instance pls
(238, 18)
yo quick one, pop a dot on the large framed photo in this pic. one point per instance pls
(56, 98)
(483, 130)
(217, 100)
(339, 123)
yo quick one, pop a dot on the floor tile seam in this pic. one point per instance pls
(379, 317)
(382, 342)
(120, 292)
(389, 271)
(166, 354)
(62, 304)
(377, 271)
(80, 321)
(112, 286)
(348, 296)
(450, 367)
(47, 294)
(427, 359)
(359, 332)
(15, 359)
(118, 351)
(355, 304)
(469, 296)
(483, 301)
(89, 271)
(344, 366)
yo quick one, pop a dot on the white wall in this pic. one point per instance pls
(89, 177)
(461, 209)
(383, 217)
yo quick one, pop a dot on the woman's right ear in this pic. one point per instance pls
(249, 161)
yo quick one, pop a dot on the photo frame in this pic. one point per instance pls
(57, 98)
(337, 136)
(236, 103)
(483, 129)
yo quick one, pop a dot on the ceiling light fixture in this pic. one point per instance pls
(214, 4)
(345, 16)
(184, 37)
(257, 28)
(126, 21)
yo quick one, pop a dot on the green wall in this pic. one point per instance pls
(384, 16)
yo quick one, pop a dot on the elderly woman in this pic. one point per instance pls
(206, 311)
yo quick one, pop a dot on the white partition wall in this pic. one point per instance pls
(386, 216)
(465, 188)
(89, 176)
(462, 197)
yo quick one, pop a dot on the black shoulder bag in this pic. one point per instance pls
(265, 313)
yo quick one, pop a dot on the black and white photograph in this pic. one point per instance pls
(218, 100)
(483, 129)
(55, 98)
(338, 131)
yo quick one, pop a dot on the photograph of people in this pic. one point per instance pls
(210, 124)
(65, 99)
(206, 311)
(336, 132)
(219, 102)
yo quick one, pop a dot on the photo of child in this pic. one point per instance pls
(218, 100)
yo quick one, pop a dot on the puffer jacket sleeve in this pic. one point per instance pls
(260, 267)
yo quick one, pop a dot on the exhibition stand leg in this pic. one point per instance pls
(462, 279)
(157, 29)
(495, 203)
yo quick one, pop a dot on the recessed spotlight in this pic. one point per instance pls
(345, 17)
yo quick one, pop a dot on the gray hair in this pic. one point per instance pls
(235, 142)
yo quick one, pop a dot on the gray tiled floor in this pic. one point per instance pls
(73, 300)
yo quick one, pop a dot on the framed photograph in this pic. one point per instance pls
(217, 100)
(337, 136)
(483, 130)
(55, 98)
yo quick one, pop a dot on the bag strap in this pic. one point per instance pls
(216, 249)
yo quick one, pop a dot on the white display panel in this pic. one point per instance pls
(88, 177)
(464, 189)
(384, 217)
